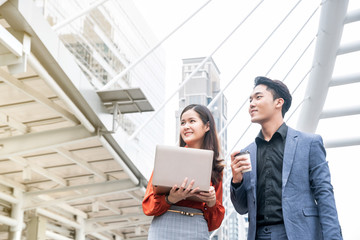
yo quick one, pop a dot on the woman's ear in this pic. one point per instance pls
(207, 126)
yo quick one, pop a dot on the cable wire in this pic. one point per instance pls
(252, 56)
(193, 73)
(275, 62)
(132, 65)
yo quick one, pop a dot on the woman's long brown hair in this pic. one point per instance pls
(211, 141)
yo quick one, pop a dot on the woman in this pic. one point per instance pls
(197, 130)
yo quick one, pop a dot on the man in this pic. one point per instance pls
(287, 194)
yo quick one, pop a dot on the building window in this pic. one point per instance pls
(195, 99)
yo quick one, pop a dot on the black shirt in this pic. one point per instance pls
(269, 177)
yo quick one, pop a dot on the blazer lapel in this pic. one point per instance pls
(253, 178)
(289, 154)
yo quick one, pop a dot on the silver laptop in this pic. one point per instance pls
(173, 164)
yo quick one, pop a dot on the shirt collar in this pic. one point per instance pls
(282, 131)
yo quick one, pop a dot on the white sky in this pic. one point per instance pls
(199, 38)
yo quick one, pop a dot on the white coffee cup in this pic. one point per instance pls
(247, 155)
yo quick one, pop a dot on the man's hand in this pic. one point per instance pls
(238, 164)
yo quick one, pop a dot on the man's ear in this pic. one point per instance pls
(279, 102)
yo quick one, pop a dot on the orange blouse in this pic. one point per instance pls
(155, 205)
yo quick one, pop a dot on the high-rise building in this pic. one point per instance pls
(202, 89)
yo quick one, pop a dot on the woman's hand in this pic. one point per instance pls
(177, 194)
(208, 197)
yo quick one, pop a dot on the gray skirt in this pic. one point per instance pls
(175, 226)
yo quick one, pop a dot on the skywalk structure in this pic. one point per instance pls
(82, 92)
(67, 169)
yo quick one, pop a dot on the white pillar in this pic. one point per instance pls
(18, 214)
(333, 13)
(80, 232)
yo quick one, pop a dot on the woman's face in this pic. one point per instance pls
(192, 129)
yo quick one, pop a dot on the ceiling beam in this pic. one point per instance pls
(62, 219)
(10, 42)
(11, 80)
(109, 206)
(119, 159)
(50, 81)
(100, 236)
(65, 207)
(114, 218)
(81, 162)
(31, 142)
(8, 198)
(7, 120)
(137, 199)
(11, 183)
(52, 226)
(8, 221)
(40, 170)
(92, 190)
(56, 236)
(118, 226)
(111, 186)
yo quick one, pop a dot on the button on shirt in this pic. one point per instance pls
(269, 177)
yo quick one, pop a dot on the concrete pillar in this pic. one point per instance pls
(36, 228)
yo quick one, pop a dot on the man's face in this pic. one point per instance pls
(262, 107)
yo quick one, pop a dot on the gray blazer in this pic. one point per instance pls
(308, 202)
